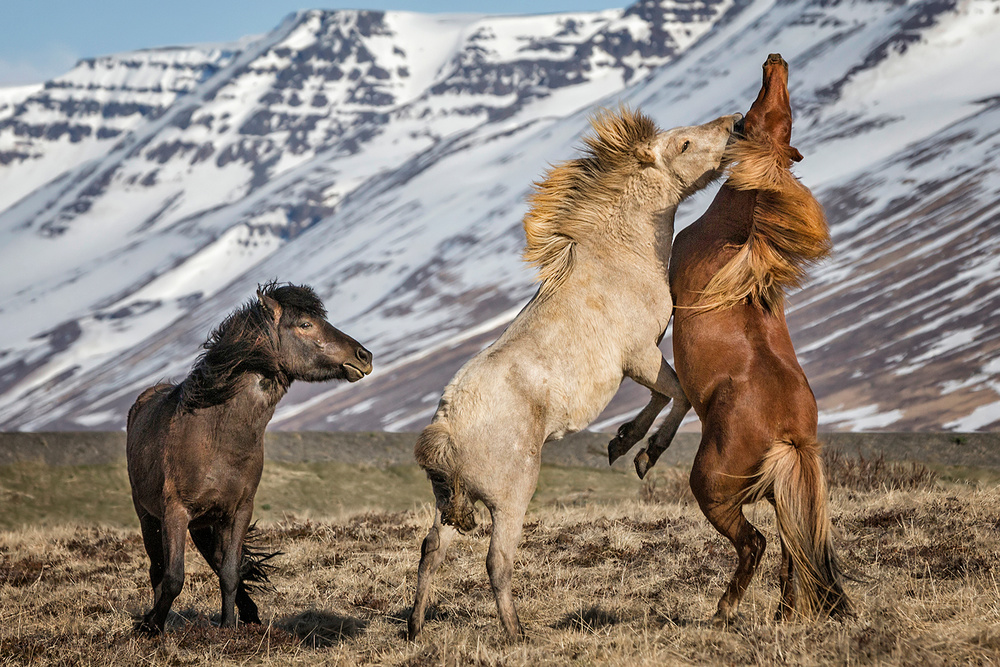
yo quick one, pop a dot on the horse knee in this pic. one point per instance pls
(431, 543)
(500, 567)
(172, 584)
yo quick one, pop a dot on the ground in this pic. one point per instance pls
(610, 571)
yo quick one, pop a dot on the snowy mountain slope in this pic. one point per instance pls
(351, 151)
(887, 330)
(263, 143)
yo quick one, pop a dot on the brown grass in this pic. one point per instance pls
(620, 584)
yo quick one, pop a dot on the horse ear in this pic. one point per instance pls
(644, 153)
(269, 305)
(795, 154)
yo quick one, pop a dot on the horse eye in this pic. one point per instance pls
(685, 146)
(305, 325)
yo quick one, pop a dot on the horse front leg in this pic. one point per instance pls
(507, 526)
(646, 457)
(232, 536)
(651, 370)
(210, 546)
(152, 540)
(632, 432)
(507, 509)
(173, 531)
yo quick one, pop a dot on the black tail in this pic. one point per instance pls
(256, 566)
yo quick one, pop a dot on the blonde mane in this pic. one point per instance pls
(787, 235)
(565, 206)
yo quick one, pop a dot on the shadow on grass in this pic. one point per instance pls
(192, 630)
(320, 629)
(590, 619)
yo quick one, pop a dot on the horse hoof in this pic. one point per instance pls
(618, 446)
(145, 628)
(723, 622)
(642, 463)
(413, 629)
(613, 452)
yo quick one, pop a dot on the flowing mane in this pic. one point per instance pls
(788, 234)
(565, 205)
(245, 342)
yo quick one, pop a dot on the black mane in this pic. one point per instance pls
(245, 342)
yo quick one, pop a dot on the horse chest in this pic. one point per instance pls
(217, 479)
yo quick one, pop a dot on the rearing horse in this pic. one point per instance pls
(599, 229)
(736, 364)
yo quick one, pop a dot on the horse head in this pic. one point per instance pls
(771, 113)
(308, 347)
(689, 156)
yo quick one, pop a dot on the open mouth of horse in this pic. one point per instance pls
(355, 373)
(738, 128)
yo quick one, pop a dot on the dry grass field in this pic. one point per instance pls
(600, 580)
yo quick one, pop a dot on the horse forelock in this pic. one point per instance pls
(245, 342)
(565, 204)
(298, 297)
(788, 232)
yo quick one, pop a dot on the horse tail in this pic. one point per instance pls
(792, 474)
(255, 562)
(435, 452)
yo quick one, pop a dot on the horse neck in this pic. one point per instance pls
(634, 244)
(729, 217)
(252, 406)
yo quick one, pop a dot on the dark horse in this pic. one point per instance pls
(737, 366)
(196, 449)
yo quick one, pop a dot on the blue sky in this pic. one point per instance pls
(40, 39)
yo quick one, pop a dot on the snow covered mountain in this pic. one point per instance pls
(384, 159)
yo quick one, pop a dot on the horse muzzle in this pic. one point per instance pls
(360, 366)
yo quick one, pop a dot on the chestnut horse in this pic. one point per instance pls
(736, 364)
(196, 449)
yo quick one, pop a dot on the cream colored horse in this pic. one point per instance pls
(600, 231)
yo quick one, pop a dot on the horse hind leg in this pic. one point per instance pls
(721, 500)
(507, 526)
(210, 547)
(749, 543)
(786, 605)
(432, 554)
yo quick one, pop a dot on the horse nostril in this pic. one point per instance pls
(363, 355)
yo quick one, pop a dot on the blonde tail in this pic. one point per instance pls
(792, 474)
(435, 452)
